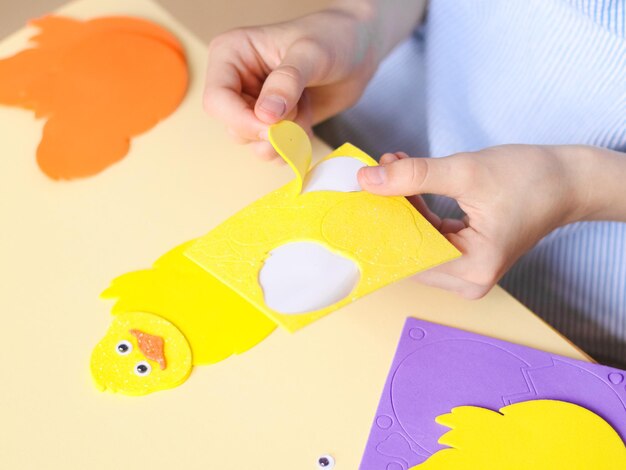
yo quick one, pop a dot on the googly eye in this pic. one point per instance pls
(142, 369)
(326, 462)
(123, 347)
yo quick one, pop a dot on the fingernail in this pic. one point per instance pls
(274, 104)
(374, 175)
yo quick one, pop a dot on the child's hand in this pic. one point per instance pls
(257, 76)
(304, 70)
(512, 195)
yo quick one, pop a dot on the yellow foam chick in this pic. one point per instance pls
(538, 435)
(385, 236)
(206, 318)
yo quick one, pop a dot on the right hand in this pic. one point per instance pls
(305, 70)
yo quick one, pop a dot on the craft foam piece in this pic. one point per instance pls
(98, 83)
(336, 174)
(210, 318)
(538, 435)
(151, 346)
(291, 142)
(303, 276)
(385, 236)
(437, 369)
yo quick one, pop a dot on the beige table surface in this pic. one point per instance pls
(277, 407)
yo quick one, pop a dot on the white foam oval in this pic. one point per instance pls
(301, 277)
(336, 174)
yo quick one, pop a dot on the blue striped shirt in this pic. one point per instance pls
(486, 72)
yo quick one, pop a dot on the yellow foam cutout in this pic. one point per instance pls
(538, 435)
(293, 145)
(214, 320)
(385, 236)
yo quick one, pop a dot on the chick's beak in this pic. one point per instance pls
(151, 346)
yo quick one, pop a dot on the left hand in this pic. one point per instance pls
(512, 195)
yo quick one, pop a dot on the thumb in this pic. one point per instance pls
(445, 176)
(283, 87)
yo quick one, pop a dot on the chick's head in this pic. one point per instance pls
(141, 353)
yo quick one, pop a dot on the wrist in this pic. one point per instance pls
(382, 24)
(597, 178)
(345, 36)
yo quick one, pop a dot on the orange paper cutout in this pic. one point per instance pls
(99, 83)
(151, 346)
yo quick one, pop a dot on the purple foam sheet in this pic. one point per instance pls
(437, 368)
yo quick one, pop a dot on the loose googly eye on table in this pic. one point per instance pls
(326, 462)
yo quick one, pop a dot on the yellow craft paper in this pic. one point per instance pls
(294, 146)
(386, 237)
(538, 435)
(214, 320)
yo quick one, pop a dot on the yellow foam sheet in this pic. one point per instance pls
(386, 237)
(280, 405)
(537, 434)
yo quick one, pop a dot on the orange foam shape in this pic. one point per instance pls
(151, 346)
(98, 83)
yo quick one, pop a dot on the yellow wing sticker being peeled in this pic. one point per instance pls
(293, 145)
